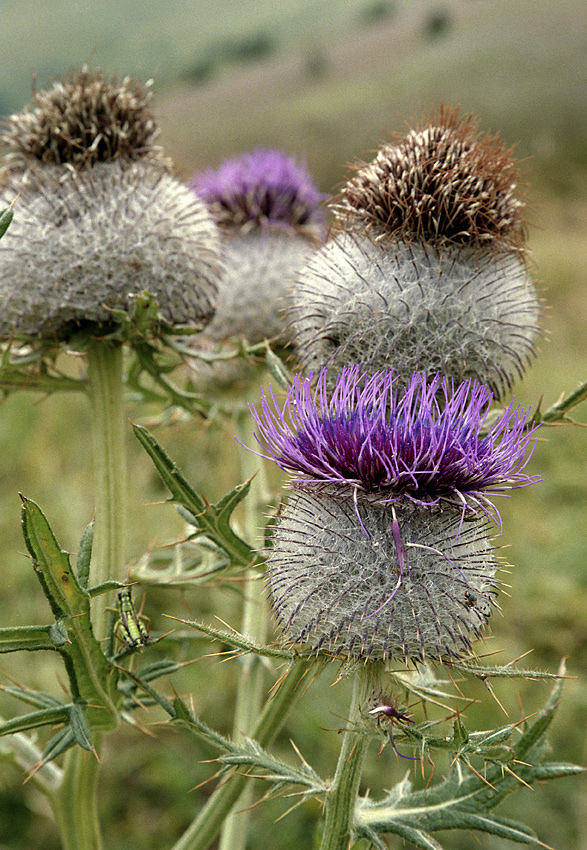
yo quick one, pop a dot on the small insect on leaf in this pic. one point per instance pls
(131, 628)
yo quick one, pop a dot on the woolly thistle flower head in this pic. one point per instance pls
(82, 120)
(99, 218)
(426, 269)
(383, 547)
(268, 209)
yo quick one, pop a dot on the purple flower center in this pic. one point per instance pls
(264, 186)
(424, 442)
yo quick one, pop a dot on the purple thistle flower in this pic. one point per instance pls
(269, 213)
(394, 442)
(383, 550)
(264, 187)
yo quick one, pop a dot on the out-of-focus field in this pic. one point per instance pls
(327, 89)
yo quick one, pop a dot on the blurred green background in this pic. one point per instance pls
(326, 80)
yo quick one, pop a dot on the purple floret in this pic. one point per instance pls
(423, 442)
(264, 186)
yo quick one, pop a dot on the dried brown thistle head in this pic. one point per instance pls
(442, 183)
(82, 120)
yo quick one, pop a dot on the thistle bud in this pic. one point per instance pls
(426, 270)
(100, 219)
(383, 549)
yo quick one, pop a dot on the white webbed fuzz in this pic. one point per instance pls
(86, 242)
(260, 266)
(457, 310)
(364, 580)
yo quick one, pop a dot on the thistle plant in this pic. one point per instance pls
(101, 224)
(268, 211)
(105, 246)
(380, 565)
(426, 270)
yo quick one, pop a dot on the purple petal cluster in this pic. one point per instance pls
(425, 442)
(263, 187)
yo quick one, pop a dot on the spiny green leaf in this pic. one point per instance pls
(182, 712)
(277, 369)
(13, 638)
(504, 672)
(80, 727)
(58, 634)
(190, 562)
(37, 698)
(276, 771)
(59, 743)
(240, 641)
(464, 800)
(84, 555)
(105, 587)
(417, 837)
(212, 520)
(91, 676)
(6, 216)
(51, 564)
(558, 411)
(34, 720)
(165, 667)
(193, 723)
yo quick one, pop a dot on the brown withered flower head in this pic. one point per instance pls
(426, 270)
(82, 120)
(443, 183)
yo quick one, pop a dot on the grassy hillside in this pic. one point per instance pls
(147, 38)
(521, 67)
(325, 78)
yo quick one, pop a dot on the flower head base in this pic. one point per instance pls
(426, 271)
(83, 247)
(464, 313)
(383, 550)
(264, 188)
(442, 183)
(83, 120)
(339, 582)
(391, 443)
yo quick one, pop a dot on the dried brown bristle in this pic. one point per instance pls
(444, 182)
(82, 120)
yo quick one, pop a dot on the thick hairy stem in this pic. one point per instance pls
(76, 804)
(255, 626)
(105, 387)
(342, 795)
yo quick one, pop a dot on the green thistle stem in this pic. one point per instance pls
(105, 388)
(76, 803)
(255, 626)
(342, 796)
(204, 829)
